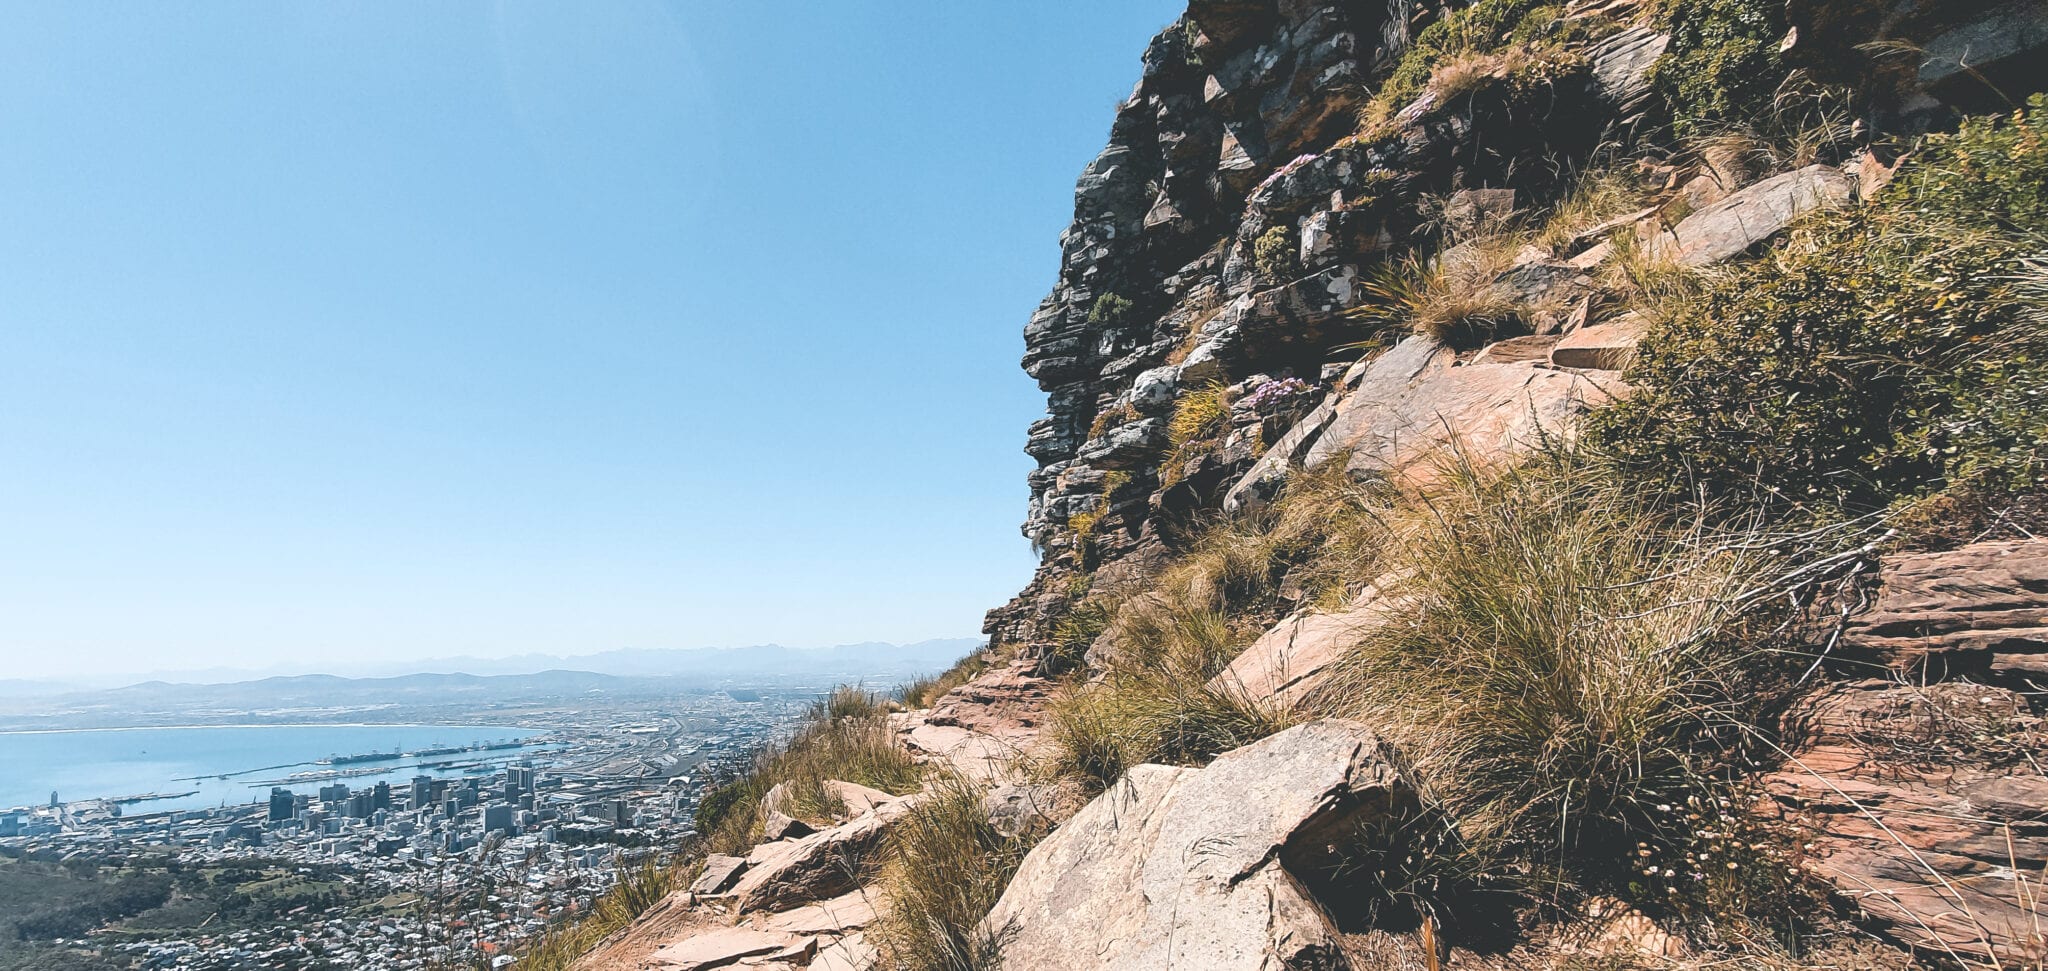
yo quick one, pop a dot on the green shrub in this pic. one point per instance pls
(1532, 32)
(1722, 65)
(1275, 254)
(946, 868)
(1109, 310)
(1879, 354)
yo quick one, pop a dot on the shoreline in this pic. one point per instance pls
(166, 728)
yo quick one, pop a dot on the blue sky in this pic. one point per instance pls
(359, 332)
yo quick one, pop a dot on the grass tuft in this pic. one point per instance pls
(1568, 658)
(946, 868)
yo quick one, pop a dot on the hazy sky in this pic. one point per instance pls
(377, 330)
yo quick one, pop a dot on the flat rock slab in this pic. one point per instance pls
(1289, 661)
(1755, 213)
(840, 915)
(1606, 346)
(1980, 610)
(1928, 839)
(1415, 399)
(727, 945)
(855, 797)
(1184, 868)
(850, 953)
(973, 754)
(719, 873)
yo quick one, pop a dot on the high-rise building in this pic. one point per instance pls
(380, 796)
(498, 819)
(282, 805)
(422, 791)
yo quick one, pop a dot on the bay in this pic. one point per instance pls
(115, 763)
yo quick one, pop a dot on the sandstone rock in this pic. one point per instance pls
(1958, 63)
(1469, 211)
(727, 945)
(1748, 217)
(780, 826)
(1981, 610)
(1291, 660)
(1154, 390)
(1606, 346)
(822, 865)
(850, 953)
(970, 753)
(1126, 446)
(840, 915)
(1414, 400)
(1924, 811)
(719, 873)
(1515, 350)
(1188, 868)
(1621, 67)
(1261, 482)
(855, 797)
(1016, 809)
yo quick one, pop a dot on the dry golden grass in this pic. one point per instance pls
(946, 866)
(635, 890)
(1568, 651)
(846, 738)
(1453, 297)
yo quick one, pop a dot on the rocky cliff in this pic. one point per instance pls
(1343, 654)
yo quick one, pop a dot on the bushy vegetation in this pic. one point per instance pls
(1522, 40)
(1110, 311)
(845, 738)
(1275, 253)
(947, 865)
(1722, 66)
(1881, 353)
(1453, 297)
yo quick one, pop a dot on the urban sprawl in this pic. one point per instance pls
(462, 868)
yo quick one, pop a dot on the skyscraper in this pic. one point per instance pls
(281, 804)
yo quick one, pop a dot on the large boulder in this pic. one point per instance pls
(1190, 868)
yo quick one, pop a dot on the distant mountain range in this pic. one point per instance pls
(524, 676)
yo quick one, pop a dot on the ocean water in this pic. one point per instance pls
(115, 763)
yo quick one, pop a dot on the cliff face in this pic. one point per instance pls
(1244, 212)
(1225, 232)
